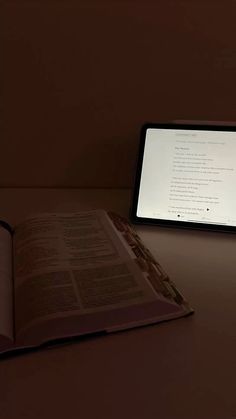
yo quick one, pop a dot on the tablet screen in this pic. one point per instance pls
(187, 175)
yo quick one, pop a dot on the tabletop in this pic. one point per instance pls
(184, 368)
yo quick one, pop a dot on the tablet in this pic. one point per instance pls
(186, 176)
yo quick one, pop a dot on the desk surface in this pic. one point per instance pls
(185, 368)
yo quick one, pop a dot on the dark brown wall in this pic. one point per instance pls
(80, 77)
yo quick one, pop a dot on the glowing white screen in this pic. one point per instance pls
(189, 175)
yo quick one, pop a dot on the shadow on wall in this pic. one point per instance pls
(105, 161)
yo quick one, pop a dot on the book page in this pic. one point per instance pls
(70, 265)
(6, 284)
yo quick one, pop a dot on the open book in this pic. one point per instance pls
(71, 274)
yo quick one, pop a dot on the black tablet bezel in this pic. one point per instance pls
(170, 223)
